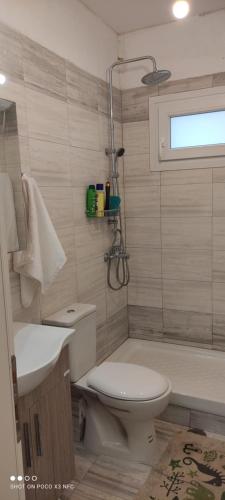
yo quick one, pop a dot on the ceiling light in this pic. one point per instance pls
(181, 9)
(2, 79)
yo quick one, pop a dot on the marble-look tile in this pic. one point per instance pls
(136, 138)
(137, 166)
(186, 200)
(113, 478)
(145, 291)
(59, 205)
(219, 233)
(218, 174)
(145, 261)
(83, 462)
(186, 85)
(49, 163)
(219, 265)
(11, 61)
(89, 242)
(44, 69)
(145, 322)
(187, 232)
(97, 298)
(207, 421)
(115, 300)
(219, 331)
(176, 415)
(138, 95)
(137, 112)
(102, 347)
(142, 232)
(187, 325)
(81, 87)
(83, 127)
(104, 131)
(47, 117)
(117, 329)
(218, 79)
(61, 293)
(187, 264)
(91, 276)
(142, 201)
(103, 100)
(218, 298)
(176, 177)
(219, 199)
(187, 296)
(87, 167)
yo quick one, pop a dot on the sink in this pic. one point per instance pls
(37, 349)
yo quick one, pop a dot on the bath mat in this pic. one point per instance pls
(192, 468)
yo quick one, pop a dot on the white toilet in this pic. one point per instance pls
(122, 399)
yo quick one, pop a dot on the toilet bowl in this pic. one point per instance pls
(121, 399)
(133, 396)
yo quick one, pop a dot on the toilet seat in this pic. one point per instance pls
(126, 381)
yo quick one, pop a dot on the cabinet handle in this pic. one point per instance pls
(37, 435)
(27, 445)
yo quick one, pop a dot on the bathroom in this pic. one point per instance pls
(150, 274)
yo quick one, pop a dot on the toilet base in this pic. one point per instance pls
(127, 439)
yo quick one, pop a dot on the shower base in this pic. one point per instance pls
(197, 376)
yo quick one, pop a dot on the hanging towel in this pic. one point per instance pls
(44, 256)
(7, 208)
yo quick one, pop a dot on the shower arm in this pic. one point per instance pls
(120, 62)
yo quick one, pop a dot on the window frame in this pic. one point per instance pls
(161, 109)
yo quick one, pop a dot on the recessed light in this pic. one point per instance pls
(181, 9)
(2, 79)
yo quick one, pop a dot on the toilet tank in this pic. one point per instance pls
(82, 348)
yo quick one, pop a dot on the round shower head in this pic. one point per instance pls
(156, 77)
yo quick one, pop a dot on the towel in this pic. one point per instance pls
(44, 256)
(7, 208)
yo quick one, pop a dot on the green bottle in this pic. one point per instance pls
(91, 201)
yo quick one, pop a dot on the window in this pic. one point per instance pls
(200, 129)
(187, 130)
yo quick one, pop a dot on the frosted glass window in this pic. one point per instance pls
(202, 129)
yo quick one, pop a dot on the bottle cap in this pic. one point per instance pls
(91, 186)
(99, 187)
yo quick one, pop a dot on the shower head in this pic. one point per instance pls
(120, 152)
(155, 77)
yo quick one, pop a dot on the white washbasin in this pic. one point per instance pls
(37, 349)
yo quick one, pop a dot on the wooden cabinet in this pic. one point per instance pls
(47, 439)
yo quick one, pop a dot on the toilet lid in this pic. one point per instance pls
(127, 381)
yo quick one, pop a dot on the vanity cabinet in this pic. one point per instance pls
(47, 438)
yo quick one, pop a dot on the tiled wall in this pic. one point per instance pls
(175, 233)
(63, 132)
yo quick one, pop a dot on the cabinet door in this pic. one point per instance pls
(62, 434)
(27, 449)
(42, 449)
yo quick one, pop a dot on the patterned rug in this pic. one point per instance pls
(192, 468)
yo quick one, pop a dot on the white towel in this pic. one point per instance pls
(7, 208)
(44, 256)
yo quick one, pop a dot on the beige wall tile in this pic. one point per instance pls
(145, 261)
(186, 84)
(87, 167)
(81, 87)
(136, 166)
(219, 199)
(136, 138)
(218, 174)
(143, 231)
(219, 265)
(49, 163)
(142, 201)
(219, 233)
(89, 241)
(187, 264)
(193, 296)
(218, 298)
(11, 61)
(43, 69)
(83, 127)
(97, 298)
(91, 276)
(115, 301)
(47, 117)
(195, 176)
(186, 200)
(145, 291)
(59, 205)
(187, 325)
(191, 232)
(145, 322)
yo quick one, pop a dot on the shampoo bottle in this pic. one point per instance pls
(100, 200)
(91, 201)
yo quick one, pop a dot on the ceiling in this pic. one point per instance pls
(129, 15)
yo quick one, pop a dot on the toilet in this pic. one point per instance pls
(121, 399)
